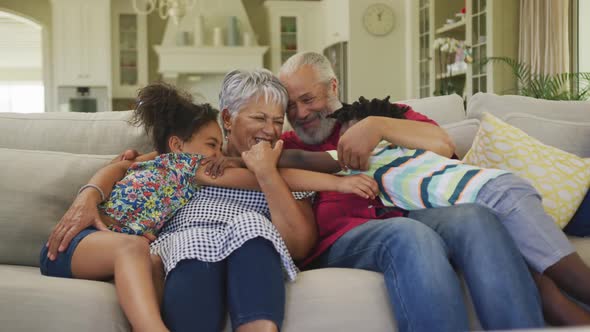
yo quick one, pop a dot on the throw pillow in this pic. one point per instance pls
(561, 177)
(580, 223)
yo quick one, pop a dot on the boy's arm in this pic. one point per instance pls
(296, 179)
(415, 132)
(312, 161)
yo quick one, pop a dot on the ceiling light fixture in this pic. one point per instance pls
(175, 9)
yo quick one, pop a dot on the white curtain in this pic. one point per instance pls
(544, 35)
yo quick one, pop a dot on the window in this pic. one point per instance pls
(22, 97)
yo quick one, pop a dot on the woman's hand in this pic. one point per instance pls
(262, 158)
(216, 165)
(359, 184)
(82, 213)
(126, 155)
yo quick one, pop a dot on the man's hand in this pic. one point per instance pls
(357, 144)
(126, 155)
(359, 184)
(82, 214)
(216, 165)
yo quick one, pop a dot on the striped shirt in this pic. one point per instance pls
(417, 179)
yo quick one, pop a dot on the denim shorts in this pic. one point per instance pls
(62, 265)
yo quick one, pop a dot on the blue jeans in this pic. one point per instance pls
(518, 205)
(249, 282)
(417, 257)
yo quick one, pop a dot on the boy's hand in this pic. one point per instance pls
(359, 184)
(357, 143)
(216, 165)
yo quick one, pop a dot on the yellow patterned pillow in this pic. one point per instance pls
(561, 177)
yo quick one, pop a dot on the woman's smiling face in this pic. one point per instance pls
(256, 121)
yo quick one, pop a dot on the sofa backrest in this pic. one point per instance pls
(96, 133)
(501, 106)
(562, 124)
(573, 137)
(36, 189)
(442, 109)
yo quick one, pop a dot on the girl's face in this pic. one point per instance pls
(206, 141)
(256, 121)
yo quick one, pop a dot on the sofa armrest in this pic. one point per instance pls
(462, 133)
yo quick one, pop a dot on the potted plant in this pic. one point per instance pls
(564, 86)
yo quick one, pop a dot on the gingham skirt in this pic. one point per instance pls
(216, 222)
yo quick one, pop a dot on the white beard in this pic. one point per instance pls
(316, 135)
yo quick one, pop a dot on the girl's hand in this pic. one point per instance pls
(216, 165)
(82, 213)
(262, 158)
(359, 184)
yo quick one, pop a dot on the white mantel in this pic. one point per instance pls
(199, 68)
(177, 60)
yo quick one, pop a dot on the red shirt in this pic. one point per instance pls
(337, 213)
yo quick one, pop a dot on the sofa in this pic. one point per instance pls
(45, 158)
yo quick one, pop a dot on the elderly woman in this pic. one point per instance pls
(221, 247)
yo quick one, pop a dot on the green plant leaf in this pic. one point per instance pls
(545, 86)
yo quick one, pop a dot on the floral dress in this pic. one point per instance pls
(218, 221)
(151, 193)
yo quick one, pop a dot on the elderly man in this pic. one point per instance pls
(415, 253)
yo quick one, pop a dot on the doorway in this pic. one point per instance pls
(21, 65)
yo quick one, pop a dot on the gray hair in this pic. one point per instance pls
(320, 64)
(239, 86)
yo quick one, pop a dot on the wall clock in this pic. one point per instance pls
(379, 19)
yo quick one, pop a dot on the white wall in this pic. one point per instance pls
(377, 65)
(584, 35)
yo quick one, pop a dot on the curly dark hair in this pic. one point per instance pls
(165, 111)
(363, 108)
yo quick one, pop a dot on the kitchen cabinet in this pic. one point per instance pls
(81, 42)
(336, 21)
(295, 26)
(129, 50)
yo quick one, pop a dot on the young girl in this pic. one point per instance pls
(151, 192)
(413, 179)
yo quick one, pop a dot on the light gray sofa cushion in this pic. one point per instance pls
(573, 137)
(36, 189)
(501, 106)
(99, 133)
(32, 302)
(442, 109)
(462, 134)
